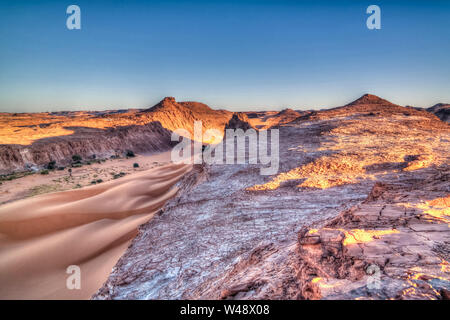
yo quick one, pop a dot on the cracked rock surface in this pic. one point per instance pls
(357, 210)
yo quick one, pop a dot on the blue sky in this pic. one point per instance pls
(238, 55)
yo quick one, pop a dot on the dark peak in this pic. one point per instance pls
(169, 103)
(439, 106)
(164, 103)
(441, 110)
(168, 100)
(287, 111)
(370, 99)
(239, 120)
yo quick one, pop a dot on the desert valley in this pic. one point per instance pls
(359, 208)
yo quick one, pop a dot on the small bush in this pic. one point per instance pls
(99, 180)
(118, 175)
(15, 175)
(130, 154)
(93, 181)
(135, 165)
(61, 168)
(77, 165)
(51, 165)
(76, 158)
(44, 171)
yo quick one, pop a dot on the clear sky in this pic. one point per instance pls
(238, 55)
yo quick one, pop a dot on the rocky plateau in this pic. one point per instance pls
(359, 209)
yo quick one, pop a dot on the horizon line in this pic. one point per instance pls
(281, 107)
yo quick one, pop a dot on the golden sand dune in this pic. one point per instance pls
(91, 228)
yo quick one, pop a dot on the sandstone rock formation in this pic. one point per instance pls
(358, 210)
(36, 139)
(85, 142)
(33, 140)
(174, 115)
(239, 121)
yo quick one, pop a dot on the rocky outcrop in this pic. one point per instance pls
(239, 121)
(174, 115)
(85, 142)
(358, 198)
(394, 245)
(33, 140)
(371, 106)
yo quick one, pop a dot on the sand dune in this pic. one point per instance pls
(90, 227)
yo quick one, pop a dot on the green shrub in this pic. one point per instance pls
(76, 158)
(51, 165)
(135, 165)
(130, 154)
(118, 175)
(44, 171)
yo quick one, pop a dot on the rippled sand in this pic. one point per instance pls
(90, 227)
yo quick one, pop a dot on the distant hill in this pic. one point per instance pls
(441, 110)
(371, 105)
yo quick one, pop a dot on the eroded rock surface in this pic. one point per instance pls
(394, 245)
(85, 142)
(34, 139)
(377, 171)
